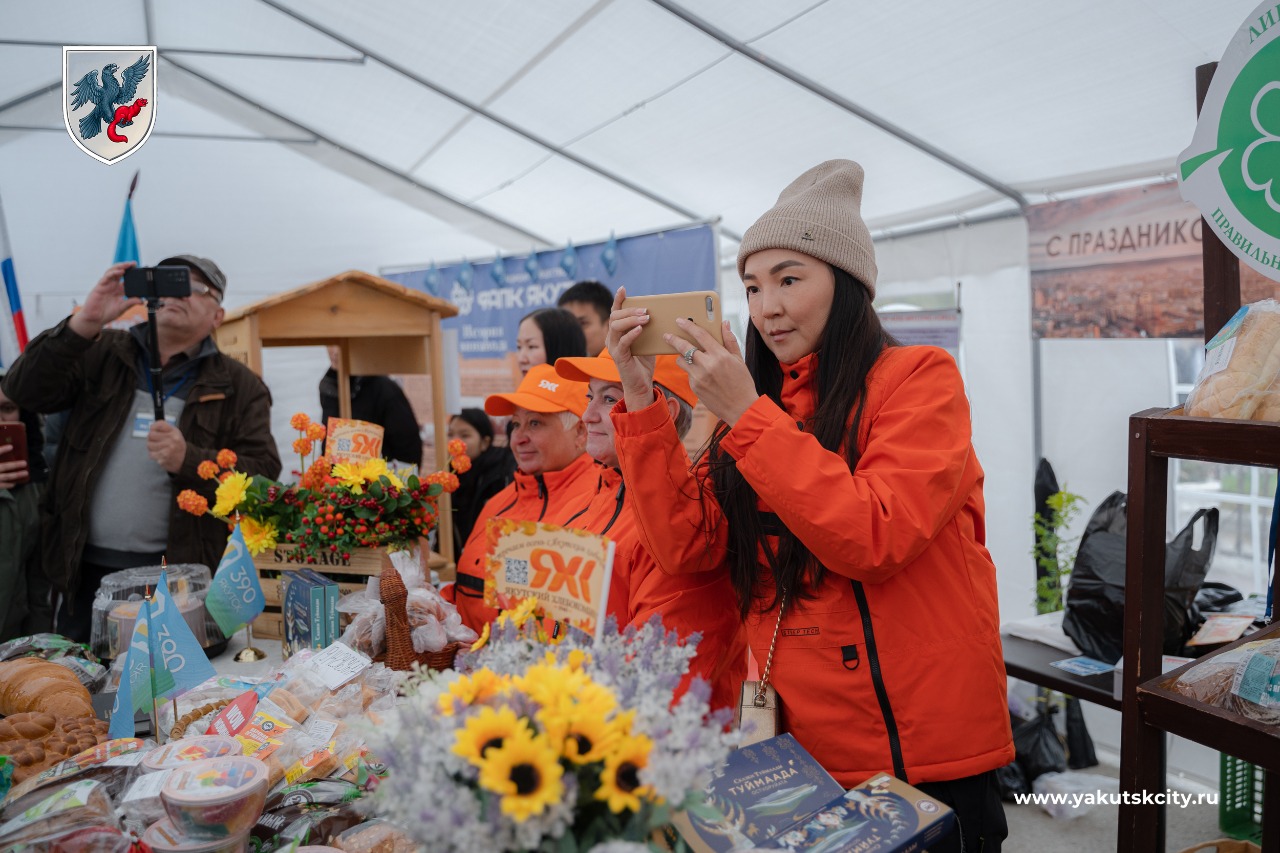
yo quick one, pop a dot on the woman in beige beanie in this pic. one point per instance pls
(841, 493)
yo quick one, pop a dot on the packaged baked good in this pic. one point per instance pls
(73, 807)
(112, 762)
(1245, 680)
(176, 753)
(1241, 373)
(376, 836)
(164, 837)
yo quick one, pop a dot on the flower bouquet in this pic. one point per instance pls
(334, 508)
(541, 744)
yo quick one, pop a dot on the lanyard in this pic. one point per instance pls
(183, 378)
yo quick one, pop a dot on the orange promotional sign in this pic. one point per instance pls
(353, 441)
(567, 571)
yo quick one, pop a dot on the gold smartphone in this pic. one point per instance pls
(701, 307)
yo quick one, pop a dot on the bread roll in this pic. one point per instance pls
(1248, 387)
(28, 685)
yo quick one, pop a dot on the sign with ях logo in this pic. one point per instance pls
(1230, 169)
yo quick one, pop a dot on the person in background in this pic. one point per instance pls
(590, 302)
(492, 468)
(25, 595)
(842, 496)
(639, 589)
(110, 503)
(378, 400)
(549, 443)
(546, 335)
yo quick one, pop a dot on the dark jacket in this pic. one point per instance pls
(378, 400)
(490, 472)
(227, 406)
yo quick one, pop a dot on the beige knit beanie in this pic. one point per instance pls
(819, 214)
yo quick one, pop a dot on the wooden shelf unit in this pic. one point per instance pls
(1149, 710)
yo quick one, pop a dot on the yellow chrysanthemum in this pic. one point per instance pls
(230, 494)
(482, 640)
(521, 613)
(258, 536)
(620, 779)
(526, 773)
(350, 475)
(489, 729)
(480, 686)
(577, 658)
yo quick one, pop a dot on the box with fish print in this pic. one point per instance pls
(882, 815)
(762, 790)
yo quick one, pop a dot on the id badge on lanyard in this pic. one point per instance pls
(144, 418)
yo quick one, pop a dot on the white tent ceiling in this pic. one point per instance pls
(402, 132)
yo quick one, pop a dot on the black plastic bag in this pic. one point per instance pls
(1038, 746)
(1080, 752)
(1094, 616)
(1011, 781)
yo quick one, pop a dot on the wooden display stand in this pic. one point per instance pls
(1149, 708)
(380, 326)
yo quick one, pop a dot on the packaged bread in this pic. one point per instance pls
(1241, 374)
(34, 685)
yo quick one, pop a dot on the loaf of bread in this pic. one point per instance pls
(31, 684)
(36, 741)
(1241, 378)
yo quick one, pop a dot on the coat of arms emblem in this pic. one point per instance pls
(109, 99)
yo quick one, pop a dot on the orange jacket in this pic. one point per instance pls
(896, 663)
(531, 497)
(701, 601)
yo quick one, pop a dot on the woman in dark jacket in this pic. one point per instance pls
(25, 593)
(491, 469)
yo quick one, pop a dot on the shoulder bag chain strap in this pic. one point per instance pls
(759, 700)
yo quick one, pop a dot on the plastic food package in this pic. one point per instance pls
(1241, 373)
(309, 812)
(1068, 783)
(163, 837)
(367, 631)
(375, 837)
(113, 763)
(94, 839)
(141, 804)
(1245, 680)
(217, 797)
(119, 597)
(76, 806)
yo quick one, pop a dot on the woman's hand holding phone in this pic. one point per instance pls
(717, 373)
(13, 472)
(636, 371)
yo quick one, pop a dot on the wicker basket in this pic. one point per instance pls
(400, 654)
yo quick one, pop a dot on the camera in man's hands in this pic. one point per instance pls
(157, 282)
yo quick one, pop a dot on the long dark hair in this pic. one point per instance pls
(851, 342)
(562, 335)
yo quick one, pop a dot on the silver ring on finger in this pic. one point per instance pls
(688, 356)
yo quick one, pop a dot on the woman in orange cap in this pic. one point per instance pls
(842, 496)
(638, 589)
(549, 442)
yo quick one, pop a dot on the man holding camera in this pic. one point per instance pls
(110, 504)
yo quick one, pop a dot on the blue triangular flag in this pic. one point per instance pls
(140, 682)
(127, 241)
(432, 281)
(235, 596)
(609, 257)
(178, 650)
(498, 272)
(531, 266)
(465, 273)
(569, 261)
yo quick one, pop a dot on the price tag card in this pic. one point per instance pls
(337, 664)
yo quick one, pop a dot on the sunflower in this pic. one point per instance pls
(489, 729)
(525, 772)
(350, 475)
(585, 737)
(258, 535)
(480, 686)
(551, 686)
(620, 779)
(230, 494)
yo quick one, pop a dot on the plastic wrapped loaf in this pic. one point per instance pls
(1241, 374)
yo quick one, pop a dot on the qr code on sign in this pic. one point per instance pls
(344, 445)
(517, 571)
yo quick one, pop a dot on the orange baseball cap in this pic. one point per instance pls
(665, 372)
(541, 390)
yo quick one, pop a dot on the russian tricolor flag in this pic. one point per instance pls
(13, 327)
